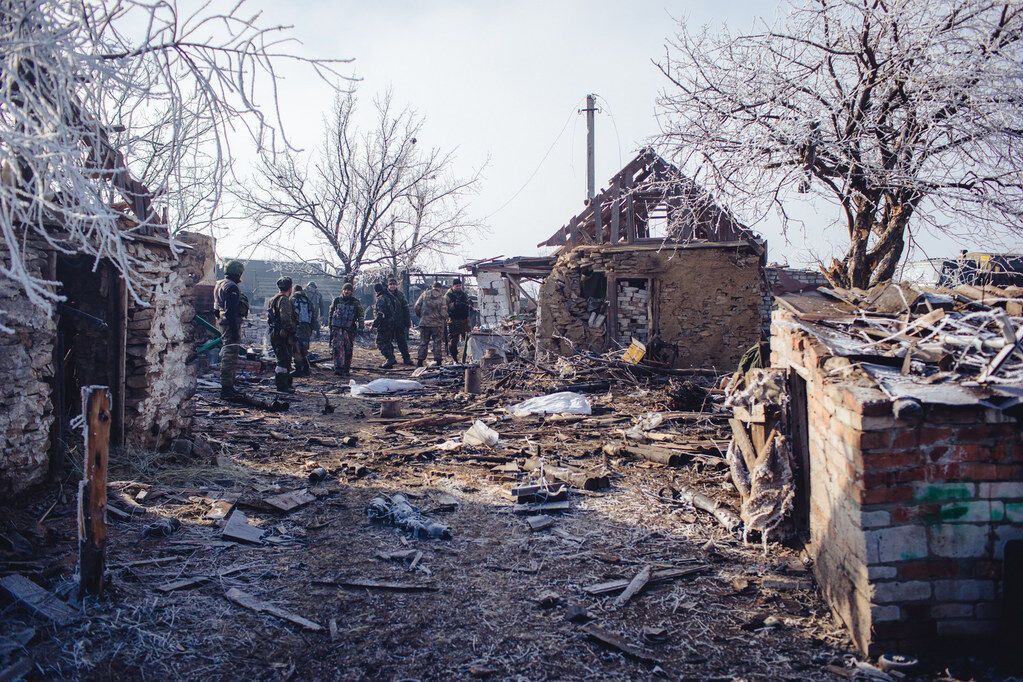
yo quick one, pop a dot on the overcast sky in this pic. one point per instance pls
(500, 82)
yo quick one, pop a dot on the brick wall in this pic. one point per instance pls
(909, 521)
(772, 274)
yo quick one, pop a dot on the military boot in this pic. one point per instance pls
(282, 380)
(388, 363)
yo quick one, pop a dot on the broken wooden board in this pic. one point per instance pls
(430, 421)
(663, 575)
(183, 583)
(239, 529)
(613, 641)
(364, 583)
(292, 500)
(634, 587)
(37, 600)
(248, 601)
(543, 507)
(539, 493)
(538, 523)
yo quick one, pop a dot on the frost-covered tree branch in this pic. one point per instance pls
(115, 111)
(372, 196)
(897, 112)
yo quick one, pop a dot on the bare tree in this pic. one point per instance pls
(434, 221)
(85, 83)
(899, 112)
(371, 197)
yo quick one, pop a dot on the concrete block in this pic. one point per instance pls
(949, 611)
(901, 543)
(1013, 512)
(899, 592)
(944, 492)
(875, 519)
(1002, 490)
(882, 572)
(966, 512)
(885, 613)
(964, 590)
(958, 541)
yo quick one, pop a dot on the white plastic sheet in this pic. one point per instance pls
(480, 434)
(564, 402)
(383, 386)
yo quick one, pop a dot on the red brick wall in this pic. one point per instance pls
(908, 520)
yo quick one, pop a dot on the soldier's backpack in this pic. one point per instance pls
(344, 316)
(273, 313)
(303, 309)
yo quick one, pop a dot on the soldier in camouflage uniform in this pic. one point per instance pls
(281, 319)
(231, 307)
(386, 320)
(345, 318)
(305, 317)
(432, 310)
(405, 320)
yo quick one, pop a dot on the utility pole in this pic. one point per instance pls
(591, 175)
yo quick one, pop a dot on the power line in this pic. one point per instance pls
(536, 170)
(614, 123)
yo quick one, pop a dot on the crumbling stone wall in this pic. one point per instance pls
(704, 297)
(159, 379)
(26, 366)
(908, 521)
(161, 369)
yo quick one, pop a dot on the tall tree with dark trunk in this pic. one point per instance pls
(900, 113)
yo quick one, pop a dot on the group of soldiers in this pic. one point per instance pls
(441, 314)
(294, 317)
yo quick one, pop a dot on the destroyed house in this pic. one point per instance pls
(903, 428)
(652, 258)
(100, 335)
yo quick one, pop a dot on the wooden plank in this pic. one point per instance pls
(612, 641)
(291, 500)
(238, 528)
(183, 583)
(742, 440)
(611, 334)
(637, 583)
(616, 213)
(367, 584)
(92, 491)
(249, 601)
(663, 575)
(538, 523)
(37, 600)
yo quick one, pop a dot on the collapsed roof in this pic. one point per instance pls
(649, 188)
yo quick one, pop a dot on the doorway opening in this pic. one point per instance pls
(89, 348)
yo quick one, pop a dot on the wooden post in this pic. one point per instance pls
(92, 491)
(472, 379)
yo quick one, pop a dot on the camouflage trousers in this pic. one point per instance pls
(388, 337)
(342, 343)
(431, 336)
(229, 365)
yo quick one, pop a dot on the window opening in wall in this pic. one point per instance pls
(593, 287)
(1012, 590)
(633, 310)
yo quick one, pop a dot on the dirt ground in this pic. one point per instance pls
(492, 602)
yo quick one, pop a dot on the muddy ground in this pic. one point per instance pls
(495, 599)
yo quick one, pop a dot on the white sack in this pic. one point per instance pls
(480, 434)
(564, 402)
(383, 386)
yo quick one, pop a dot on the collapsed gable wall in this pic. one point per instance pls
(159, 340)
(706, 299)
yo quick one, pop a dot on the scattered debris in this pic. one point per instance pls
(397, 512)
(160, 529)
(248, 601)
(612, 641)
(288, 501)
(36, 599)
(363, 583)
(238, 528)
